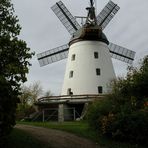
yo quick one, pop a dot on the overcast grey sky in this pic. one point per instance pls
(42, 31)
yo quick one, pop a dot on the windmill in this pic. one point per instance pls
(89, 66)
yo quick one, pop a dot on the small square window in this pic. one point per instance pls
(100, 89)
(73, 57)
(96, 56)
(98, 72)
(71, 74)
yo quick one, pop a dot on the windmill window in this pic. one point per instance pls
(69, 92)
(71, 74)
(96, 56)
(100, 89)
(73, 57)
(98, 72)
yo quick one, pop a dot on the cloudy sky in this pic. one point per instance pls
(42, 31)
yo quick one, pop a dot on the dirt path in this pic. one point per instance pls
(57, 139)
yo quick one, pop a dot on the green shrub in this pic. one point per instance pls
(118, 124)
(131, 127)
(97, 111)
(123, 114)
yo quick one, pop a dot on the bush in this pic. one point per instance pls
(123, 114)
(117, 124)
(131, 127)
(97, 110)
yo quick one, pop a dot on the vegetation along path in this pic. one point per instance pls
(57, 139)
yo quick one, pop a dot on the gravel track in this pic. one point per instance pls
(57, 139)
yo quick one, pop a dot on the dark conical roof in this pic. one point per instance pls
(88, 32)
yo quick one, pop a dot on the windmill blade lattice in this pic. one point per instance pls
(107, 14)
(53, 55)
(65, 17)
(72, 26)
(121, 53)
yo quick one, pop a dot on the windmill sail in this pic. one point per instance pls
(72, 26)
(107, 14)
(121, 53)
(53, 55)
(65, 17)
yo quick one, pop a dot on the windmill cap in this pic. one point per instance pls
(93, 33)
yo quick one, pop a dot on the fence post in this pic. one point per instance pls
(61, 113)
(43, 115)
(74, 114)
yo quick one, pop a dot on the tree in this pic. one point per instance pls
(48, 93)
(23, 106)
(14, 56)
(123, 114)
(29, 95)
(36, 91)
(139, 79)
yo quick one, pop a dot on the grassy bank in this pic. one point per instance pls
(21, 139)
(82, 129)
(78, 128)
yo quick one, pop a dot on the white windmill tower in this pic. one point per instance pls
(89, 67)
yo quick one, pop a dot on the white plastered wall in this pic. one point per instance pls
(85, 80)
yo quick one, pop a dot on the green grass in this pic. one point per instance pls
(78, 128)
(21, 139)
(82, 129)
